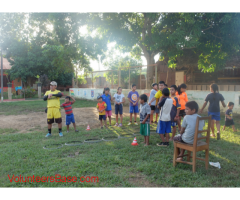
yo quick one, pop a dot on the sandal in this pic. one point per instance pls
(116, 124)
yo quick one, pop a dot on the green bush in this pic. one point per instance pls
(29, 92)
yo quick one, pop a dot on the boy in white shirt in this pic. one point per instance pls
(164, 123)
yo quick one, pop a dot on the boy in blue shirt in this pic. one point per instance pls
(133, 97)
(106, 97)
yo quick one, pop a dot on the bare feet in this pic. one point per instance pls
(212, 135)
(171, 139)
(180, 158)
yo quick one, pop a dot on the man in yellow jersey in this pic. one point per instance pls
(53, 108)
(158, 95)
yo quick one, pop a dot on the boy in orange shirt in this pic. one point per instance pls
(183, 99)
(101, 107)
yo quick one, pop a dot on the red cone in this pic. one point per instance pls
(88, 128)
(134, 143)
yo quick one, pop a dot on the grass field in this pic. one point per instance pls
(24, 107)
(117, 163)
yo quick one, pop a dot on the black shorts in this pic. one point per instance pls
(182, 113)
(102, 117)
(178, 139)
(229, 122)
(51, 121)
(153, 107)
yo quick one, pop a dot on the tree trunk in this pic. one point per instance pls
(150, 70)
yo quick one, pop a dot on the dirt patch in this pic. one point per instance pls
(37, 120)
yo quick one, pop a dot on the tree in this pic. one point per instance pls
(51, 44)
(11, 28)
(65, 79)
(133, 32)
(29, 60)
(123, 62)
(213, 37)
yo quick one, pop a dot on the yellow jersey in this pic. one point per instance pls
(159, 94)
(53, 102)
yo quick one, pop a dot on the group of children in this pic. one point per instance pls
(172, 103)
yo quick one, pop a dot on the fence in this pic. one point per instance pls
(123, 77)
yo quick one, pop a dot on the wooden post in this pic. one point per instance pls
(112, 81)
(129, 77)
(39, 90)
(140, 78)
(92, 80)
(156, 79)
(9, 93)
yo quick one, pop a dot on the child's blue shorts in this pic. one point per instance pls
(102, 117)
(119, 109)
(215, 115)
(173, 123)
(133, 109)
(164, 127)
(70, 119)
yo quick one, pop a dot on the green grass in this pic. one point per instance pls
(14, 96)
(117, 163)
(24, 107)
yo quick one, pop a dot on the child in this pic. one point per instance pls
(69, 113)
(133, 97)
(175, 110)
(164, 123)
(119, 99)
(214, 110)
(153, 103)
(106, 97)
(183, 99)
(188, 126)
(101, 107)
(228, 117)
(145, 112)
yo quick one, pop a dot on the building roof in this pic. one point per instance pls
(6, 64)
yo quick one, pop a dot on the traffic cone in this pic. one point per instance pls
(134, 143)
(88, 128)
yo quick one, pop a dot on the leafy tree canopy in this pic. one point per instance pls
(213, 37)
(51, 44)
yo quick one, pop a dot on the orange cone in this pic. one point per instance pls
(134, 143)
(88, 128)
